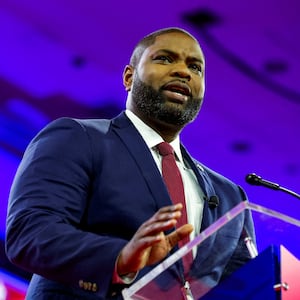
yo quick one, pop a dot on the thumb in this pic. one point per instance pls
(179, 234)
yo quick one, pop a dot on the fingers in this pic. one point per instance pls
(149, 244)
(164, 219)
(150, 232)
(168, 213)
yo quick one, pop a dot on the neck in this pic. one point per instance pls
(167, 131)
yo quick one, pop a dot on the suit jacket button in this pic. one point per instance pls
(81, 283)
(94, 287)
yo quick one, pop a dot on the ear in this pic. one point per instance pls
(127, 77)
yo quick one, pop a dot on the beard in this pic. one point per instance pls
(153, 104)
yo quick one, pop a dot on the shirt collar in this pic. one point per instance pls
(150, 136)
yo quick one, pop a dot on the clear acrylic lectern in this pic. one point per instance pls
(264, 277)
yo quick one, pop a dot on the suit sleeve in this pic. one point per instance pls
(47, 202)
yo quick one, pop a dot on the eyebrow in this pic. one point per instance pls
(170, 52)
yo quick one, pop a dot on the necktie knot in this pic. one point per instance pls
(165, 148)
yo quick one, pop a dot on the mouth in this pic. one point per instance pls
(178, 91)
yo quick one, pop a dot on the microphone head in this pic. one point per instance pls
(253, 179)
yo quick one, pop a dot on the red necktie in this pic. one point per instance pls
(173, 181)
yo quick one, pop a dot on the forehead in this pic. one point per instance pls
(176, 42)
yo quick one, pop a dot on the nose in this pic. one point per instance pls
(181, 71)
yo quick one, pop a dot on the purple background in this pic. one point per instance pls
(65, 58)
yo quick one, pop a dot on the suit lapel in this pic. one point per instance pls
(209, 214)
(143, 158)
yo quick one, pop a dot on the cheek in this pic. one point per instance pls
(151, 74)
(200, 89)
(203, 88)
(150, 78)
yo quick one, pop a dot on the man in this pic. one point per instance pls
(89, 212)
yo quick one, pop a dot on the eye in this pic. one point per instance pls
(163, 58)
(197, 68)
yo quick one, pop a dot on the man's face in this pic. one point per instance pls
(168, 82)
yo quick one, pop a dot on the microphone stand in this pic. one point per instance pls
(289, 192)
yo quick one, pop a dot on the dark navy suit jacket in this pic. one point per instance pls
(82, 190)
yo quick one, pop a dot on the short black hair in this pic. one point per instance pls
(149, 39)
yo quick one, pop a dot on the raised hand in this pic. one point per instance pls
(150, 244)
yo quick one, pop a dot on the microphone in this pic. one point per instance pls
(257, 180)
(254, 179)
(213, 201)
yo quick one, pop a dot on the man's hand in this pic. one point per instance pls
(149, 245)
